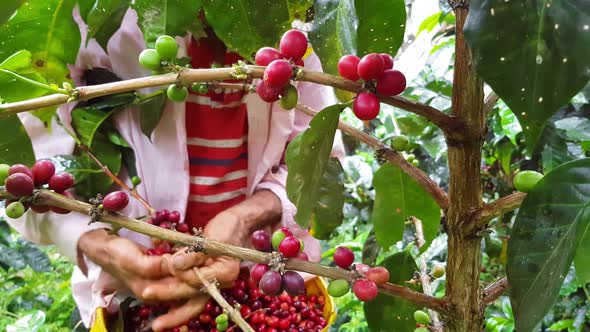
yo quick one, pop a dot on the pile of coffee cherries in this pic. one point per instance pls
(379, 76)
(20, 181)
(265, 313)
(279, 69)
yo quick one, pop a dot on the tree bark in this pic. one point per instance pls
(465, 194)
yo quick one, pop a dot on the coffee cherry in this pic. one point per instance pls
(261, 241)
(15, 210)
(270, 283)
(391, 83)
(303, 256)
(135, 181)
(293, 283)
(174, 217)
(183, 228)
(370, 67)
(257, 271)
(278, 73)
(410, 157)
(301, 245)
(289, 247)
(421, 317)
(348, 67)
(287, 231)
(40, 208)
(421, 329)
(400, 143)
(338, 288)
(221, 319)
(19, 185)
(343, 257)
(289, 97)
(416, 162)
(366, 106)
(438, 271)
(267, 93)
(166, 47)
(266, 55)
(379, 275)
(365, 290)
(4, 169)
(43, 170)
(20, 168)
(362, 268)
(387, 61)
(525, 181)
(115, 201)
(58, 210)
(201, 88)
(299, 62)
(277, 237)
(177, 94)
(150, 59)
(61, 182)
(293, 44)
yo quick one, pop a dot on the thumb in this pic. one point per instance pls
(185, 261)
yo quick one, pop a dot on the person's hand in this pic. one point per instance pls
(129, 263)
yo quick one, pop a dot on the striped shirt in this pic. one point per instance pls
(217, 130)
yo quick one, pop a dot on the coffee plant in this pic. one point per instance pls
(468, 181)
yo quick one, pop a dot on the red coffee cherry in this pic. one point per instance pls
(371, 66)
(266, 55)
(348, 67)
(366, 106)
(391, 83)
(293, 44)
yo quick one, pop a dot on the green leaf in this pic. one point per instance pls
(12, 257)
(307, 158)
(86, 121)
(35, 258)
(46, 29)
(327, 213)
(8, 8)
(540, 62)
(104, 19)
(371, 249)
(356, 27)
(150, 113)
(553, 146)
(247, 25)
(387, 313)
(398, 197)
(167, 17)
(561, 325)
(12, 89)
(15, 144)
(29, 323)
(382, 25)
(544, 239)
(576, 128)
(90, 180)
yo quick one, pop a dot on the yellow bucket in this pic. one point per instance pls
(315, 286)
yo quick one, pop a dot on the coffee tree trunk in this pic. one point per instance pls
(465, 194)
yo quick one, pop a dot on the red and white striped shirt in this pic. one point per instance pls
(217, 130)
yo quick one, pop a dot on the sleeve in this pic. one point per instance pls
(317, 97)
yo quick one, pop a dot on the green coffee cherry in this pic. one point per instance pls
(416, 162)
(421, 329)
(15, 210)
(199, 88)
(289, 97)
(177, 94)
(277, 238)
(222, 327)
(222, 318)
(525, 181)
(150, 59)
(338, 288)
(411, 157)
(438, 271)
(3, 173)
(166, 47)
(421, 317)
(400, 143)
(136, 181)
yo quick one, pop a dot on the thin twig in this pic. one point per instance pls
(232, 312)
(393, 157)
(482, 216)
(49, 198)
(494, 290)
(424, 275)
(188, 76)
(118, 181)
(490, 102)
